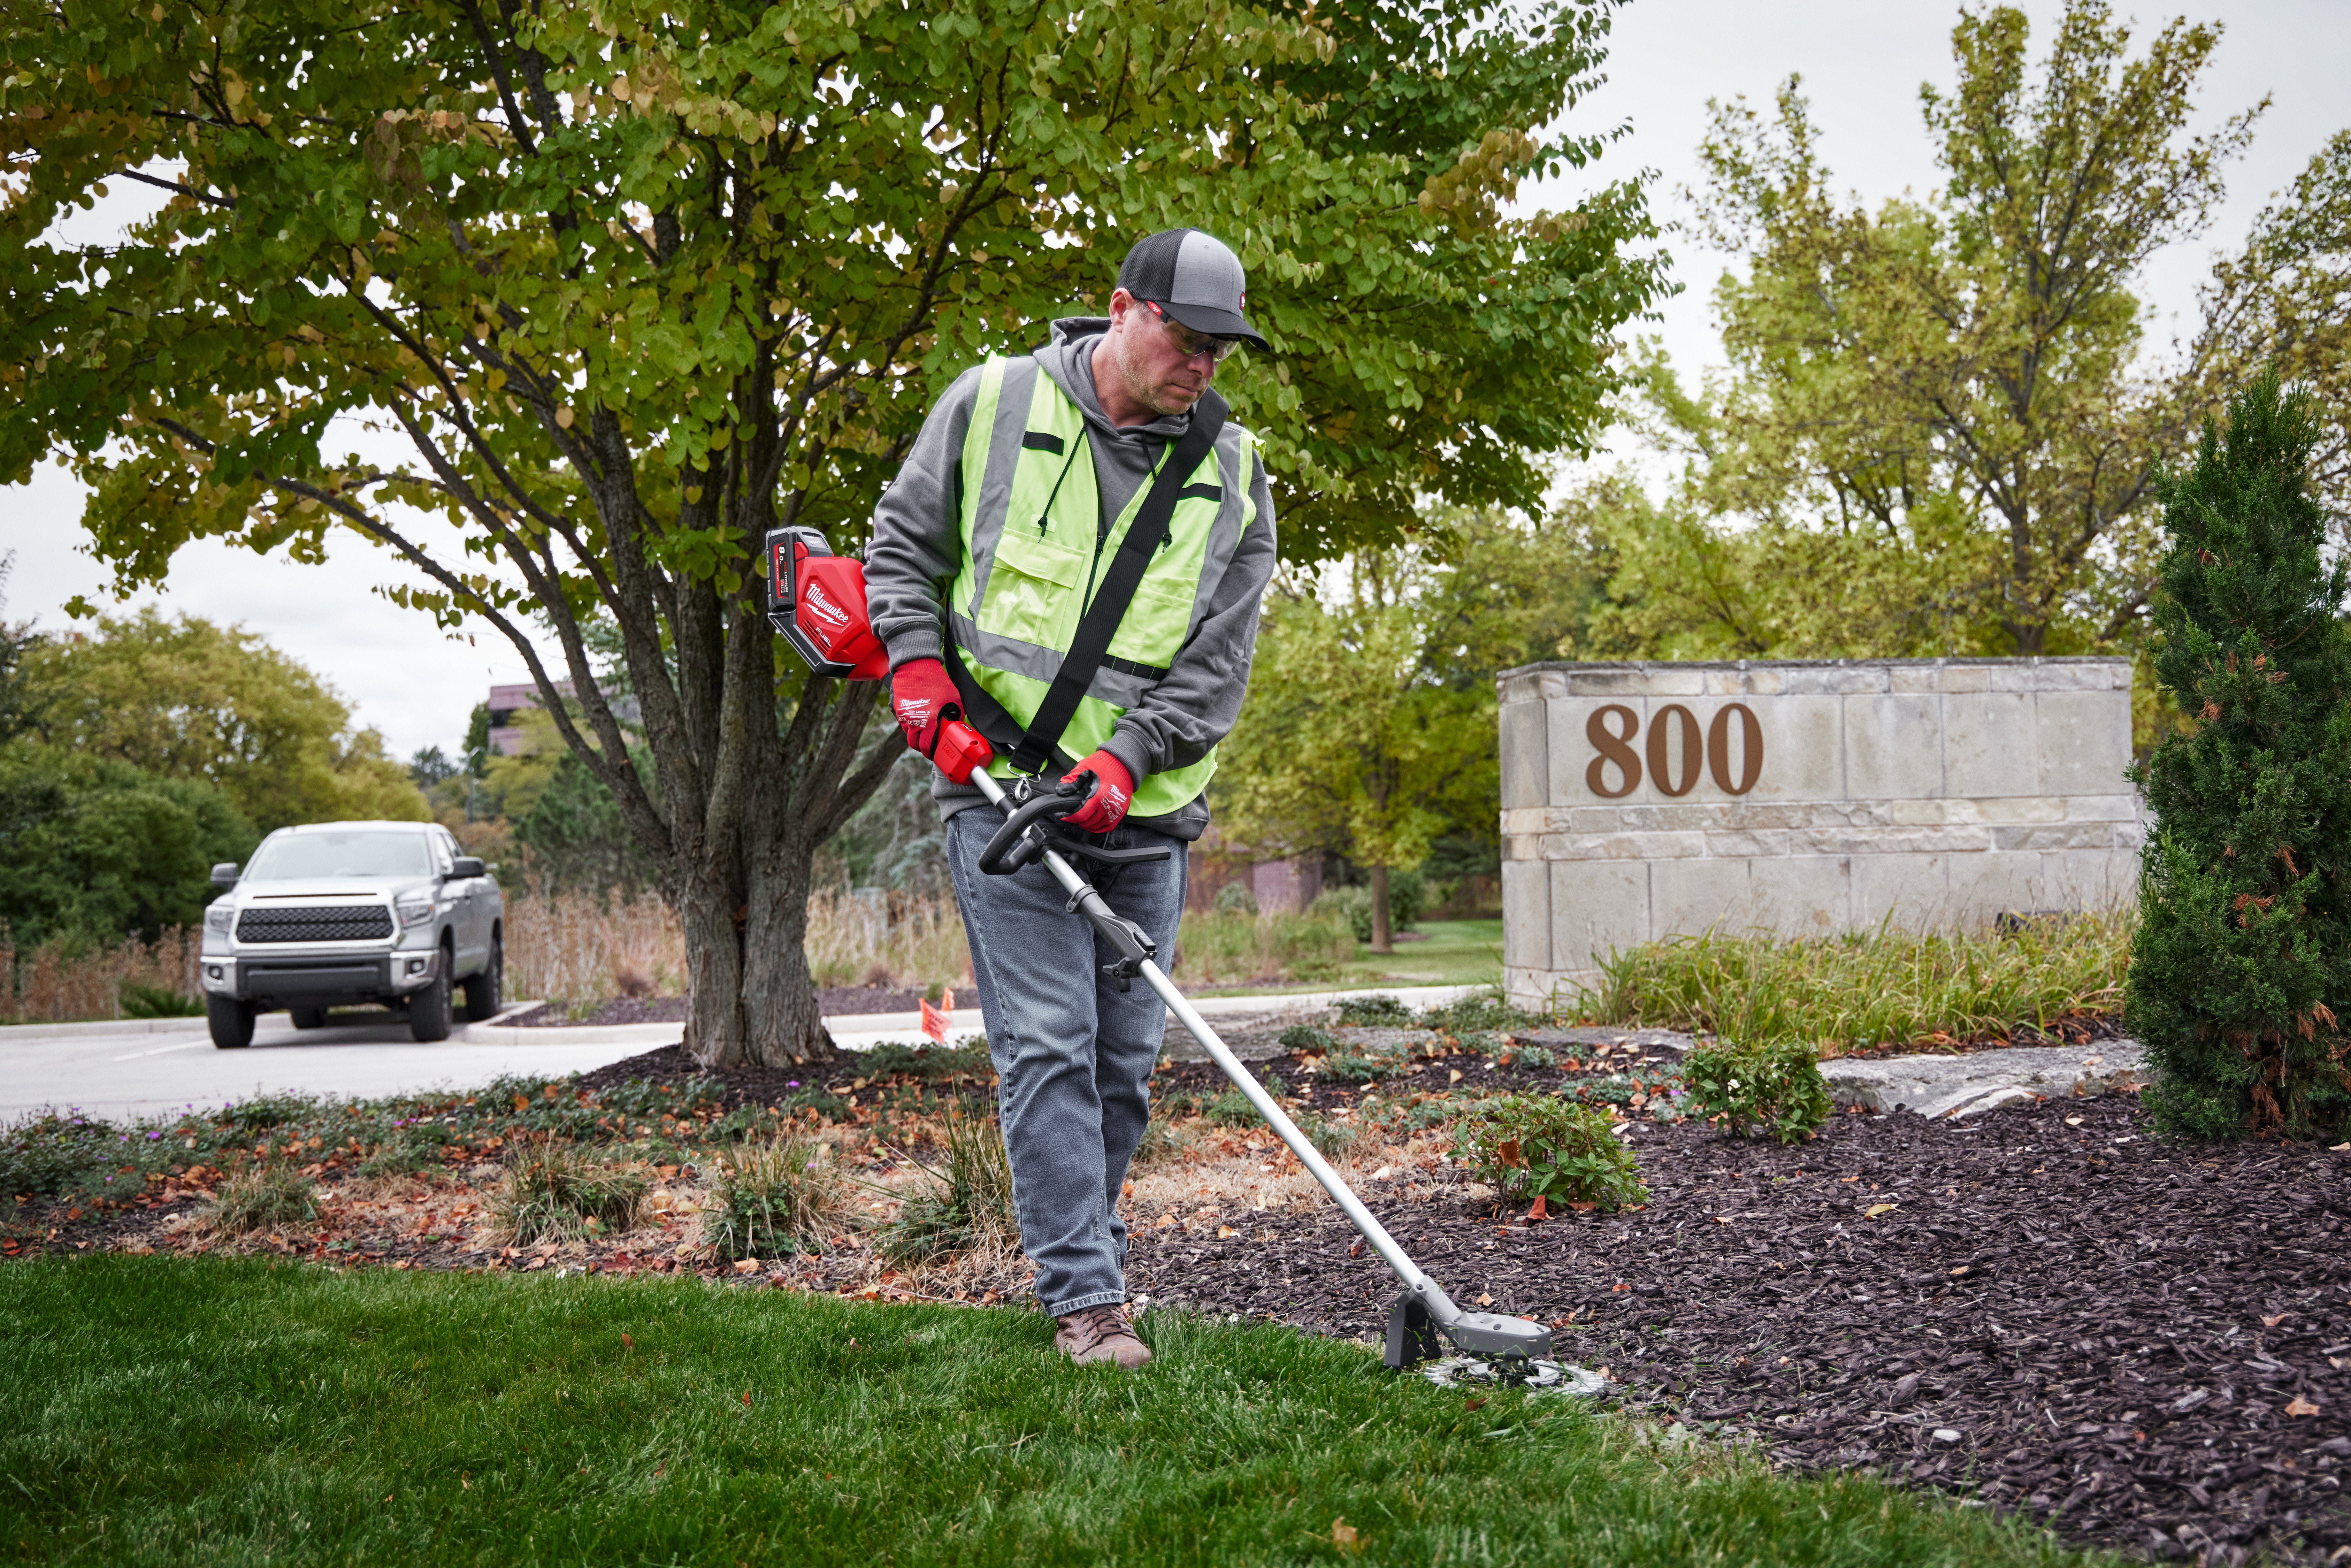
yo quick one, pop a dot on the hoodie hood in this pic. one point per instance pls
(1067, 358)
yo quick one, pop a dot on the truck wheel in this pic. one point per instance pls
(428, 1009)
(231, 1021)
(482, 990)
(308, 1018)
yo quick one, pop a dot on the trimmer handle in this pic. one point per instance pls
(960, 751)
(1035, 801)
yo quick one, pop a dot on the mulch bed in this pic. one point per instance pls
(830, 1000)
(2059, 1313)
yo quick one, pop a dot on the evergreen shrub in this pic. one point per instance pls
(2242, 960)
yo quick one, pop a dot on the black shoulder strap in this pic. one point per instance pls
(1101, 620)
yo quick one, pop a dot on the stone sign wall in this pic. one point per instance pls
(1642, 800)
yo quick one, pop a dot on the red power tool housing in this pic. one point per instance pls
(817, 600)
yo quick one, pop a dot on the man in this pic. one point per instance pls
(987, 549)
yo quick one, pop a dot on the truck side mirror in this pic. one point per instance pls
(466, 866)
(225, 874)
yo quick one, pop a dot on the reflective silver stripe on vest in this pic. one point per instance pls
(1120, 688)
(1225, 533)
(1012, 400)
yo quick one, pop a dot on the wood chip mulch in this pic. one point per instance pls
(2051, 1309)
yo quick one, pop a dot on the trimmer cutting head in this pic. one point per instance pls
(1415, 1335)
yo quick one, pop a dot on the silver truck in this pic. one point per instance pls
(354, 914)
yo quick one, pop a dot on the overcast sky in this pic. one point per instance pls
(1862, 61)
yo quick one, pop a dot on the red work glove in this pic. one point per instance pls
(921, 693)
(1114, 792)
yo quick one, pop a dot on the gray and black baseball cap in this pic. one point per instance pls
(1194, 277)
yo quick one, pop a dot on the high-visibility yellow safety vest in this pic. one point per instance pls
(1033, 554)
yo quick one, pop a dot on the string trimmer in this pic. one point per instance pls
(1421, 1321)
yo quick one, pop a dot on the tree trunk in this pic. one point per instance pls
(1383, 934)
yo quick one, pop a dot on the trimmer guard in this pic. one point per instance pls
(1415, 1335)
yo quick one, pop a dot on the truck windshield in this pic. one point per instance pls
(355, 854)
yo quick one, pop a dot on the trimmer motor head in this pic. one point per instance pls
(817, 600)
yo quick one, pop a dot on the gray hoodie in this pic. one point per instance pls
(918, 546)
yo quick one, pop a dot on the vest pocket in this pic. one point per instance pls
(1156, 623)
(1030, 585)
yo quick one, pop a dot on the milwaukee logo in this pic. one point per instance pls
(812, 599)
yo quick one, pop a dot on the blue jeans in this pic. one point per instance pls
(1073, 1054)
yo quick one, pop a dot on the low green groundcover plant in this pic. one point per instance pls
(1530, 1145)
(213, 1410)
(1777, 1090)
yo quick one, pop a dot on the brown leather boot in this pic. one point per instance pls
(1100, 1333)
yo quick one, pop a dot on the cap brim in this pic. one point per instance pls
(1215, 322)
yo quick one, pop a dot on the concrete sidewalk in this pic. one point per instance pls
(157, 1067)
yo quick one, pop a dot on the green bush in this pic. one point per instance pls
(772, 1195)
(968, 1204)
(1518, 1053)
(1407, 899)
(555, 1192)
(1483, 1011)
(1374, 1011)
(42, 1156)
(1236, 898)
(159, 1002)
(1777, 1089)
(1531, 1145)
(2239, 980)
(1305, 1037)
(261, 1198)
(930, 1063)
(1351, 905)
(1353, 1067)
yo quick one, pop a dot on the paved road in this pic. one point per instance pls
(134, 1068)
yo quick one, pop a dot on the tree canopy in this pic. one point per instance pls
(184, 698)
(1938, 432)
(620, 285)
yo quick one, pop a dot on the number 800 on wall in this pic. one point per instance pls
(1613, 728)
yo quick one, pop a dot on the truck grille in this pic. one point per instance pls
(333, 923)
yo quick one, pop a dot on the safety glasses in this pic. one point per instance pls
(1191, 344)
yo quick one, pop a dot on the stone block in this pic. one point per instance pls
(1991, 745)
(2089, 879)
(2101, 808)
(1964, 839)
(1963, 675)
(1926, 676)
(1893, 746)
(1687, 897)
(1526, 913)
(1622, 846)
(1597, 907)
(2084, 743)
(1526, 747)
(2004, 809)
(1803, 749)
(1801, 895)
(1984, 887)
(1619, 681)
(1930, 813)
(1748, 844)
(1913, 889)
(2056, 836)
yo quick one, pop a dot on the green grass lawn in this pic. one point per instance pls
(175, 1411)
(1455, 953)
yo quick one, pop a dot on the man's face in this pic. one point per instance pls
(1152, 362)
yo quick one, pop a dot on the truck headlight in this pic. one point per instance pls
(217, 917)
(413, 911)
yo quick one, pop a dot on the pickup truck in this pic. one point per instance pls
(352, 914)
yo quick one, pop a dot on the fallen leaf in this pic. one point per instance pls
(1540, 1210)
(1225, 1230)
(748, 1266)
(626, 1342)
(747, 1399)
(1583, 1207)
(1722, 1219)
(2073, 1120)
(1474, 1404)
(1619, 1286)
(1454, 1079)
(2272, 1323)
(1342, 1533)
(1875, 1210)
(1484, 1299)
(2298, 1406)
(1961, 1269)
